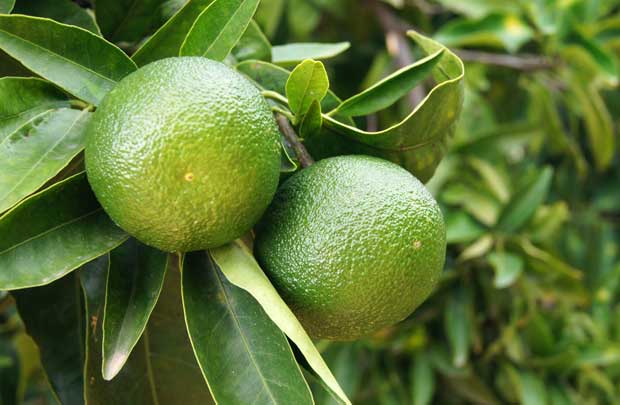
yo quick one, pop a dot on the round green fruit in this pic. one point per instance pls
(184, 154)
(353, 244)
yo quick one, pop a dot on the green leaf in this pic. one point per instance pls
(75, 59)
(218, 28)
(253, 45)
(291, 54)
(64, 11)
(162, 369)
(36, 97)
(52, 233)
(244, 357)
(241, 269)
(132, 20)
(457, 325)
(6, 6)
(422, 380)
(496, 30)
(532, 389)
(461, 228)
(389, 90)
(525, 202)
(167, 41)
(54, 318)
(605, 61)
(419, 141)
(508, 267)
(312, 122)
(344, 360)
(549, 262)
(308, 82)
(135, 280)
(39, 150)
(269, 14)
(303, 17)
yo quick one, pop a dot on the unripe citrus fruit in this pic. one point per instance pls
(184, 154)
(353, 244)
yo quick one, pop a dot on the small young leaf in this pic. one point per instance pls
(312, 122)
(36, 97)
(508, 267)
(76, 60)
(525, 202)
(218, 28)
(38, 151)
(253, 45)
(308, 82)
(294, 53)
(244, 357)
(135, 280)
(167, 41)
(389, 90)
(54, 317)
(6, 6)
(241, 269)
(52, 233)
(66, 12)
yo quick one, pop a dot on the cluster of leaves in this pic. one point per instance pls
(116, 321)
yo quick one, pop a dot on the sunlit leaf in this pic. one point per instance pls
(296, 52)
(307, 83)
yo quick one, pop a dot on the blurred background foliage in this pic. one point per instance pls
(528, 310)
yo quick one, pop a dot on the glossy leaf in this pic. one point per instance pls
(289, 54)
(308, 82)
(132, 20)
(6, 6)
(54, 318)
(525, 202)
(241, 269)
(161, 369)
(38, 151)
(75, 59)
(218, 28)
(419, 141)
(508, 267)
(497, 30)
(66, 12)
(167, 41)
(244, 357)
(135, 280)
(312, 122)
(389, 90)
(252, 45)
(36, 97)
(52, 233)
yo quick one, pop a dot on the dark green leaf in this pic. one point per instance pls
(39, 150)
(308, 82)
(162, 369)
(135, 280)
(508, 267)
(525, 202)
(294, 53)
(64, 11)
(253, 45)
(344, 360)
(418, 142)
(242, 270)
(132, 20)
(218, 28)
(75, 59)
(52, 233)
(36, 97)
(457, 326)
(244, 357)
(312, 122)
(269, 14)
(386, 92)
(54, 317)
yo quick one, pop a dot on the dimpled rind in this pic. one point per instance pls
(184, 154)
(353, 244)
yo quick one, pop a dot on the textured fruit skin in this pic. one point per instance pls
(184, 154)
(353, 243)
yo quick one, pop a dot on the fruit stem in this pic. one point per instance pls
(275, 96)
(293, 140)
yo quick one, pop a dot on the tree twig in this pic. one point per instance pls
(517, 62)
(293, 141)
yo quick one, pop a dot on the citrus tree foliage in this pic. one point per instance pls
(108, 320)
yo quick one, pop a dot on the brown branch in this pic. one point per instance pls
(293, 141)
(517, 62)
(397, 43)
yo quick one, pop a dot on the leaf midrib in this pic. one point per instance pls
(217, 37)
